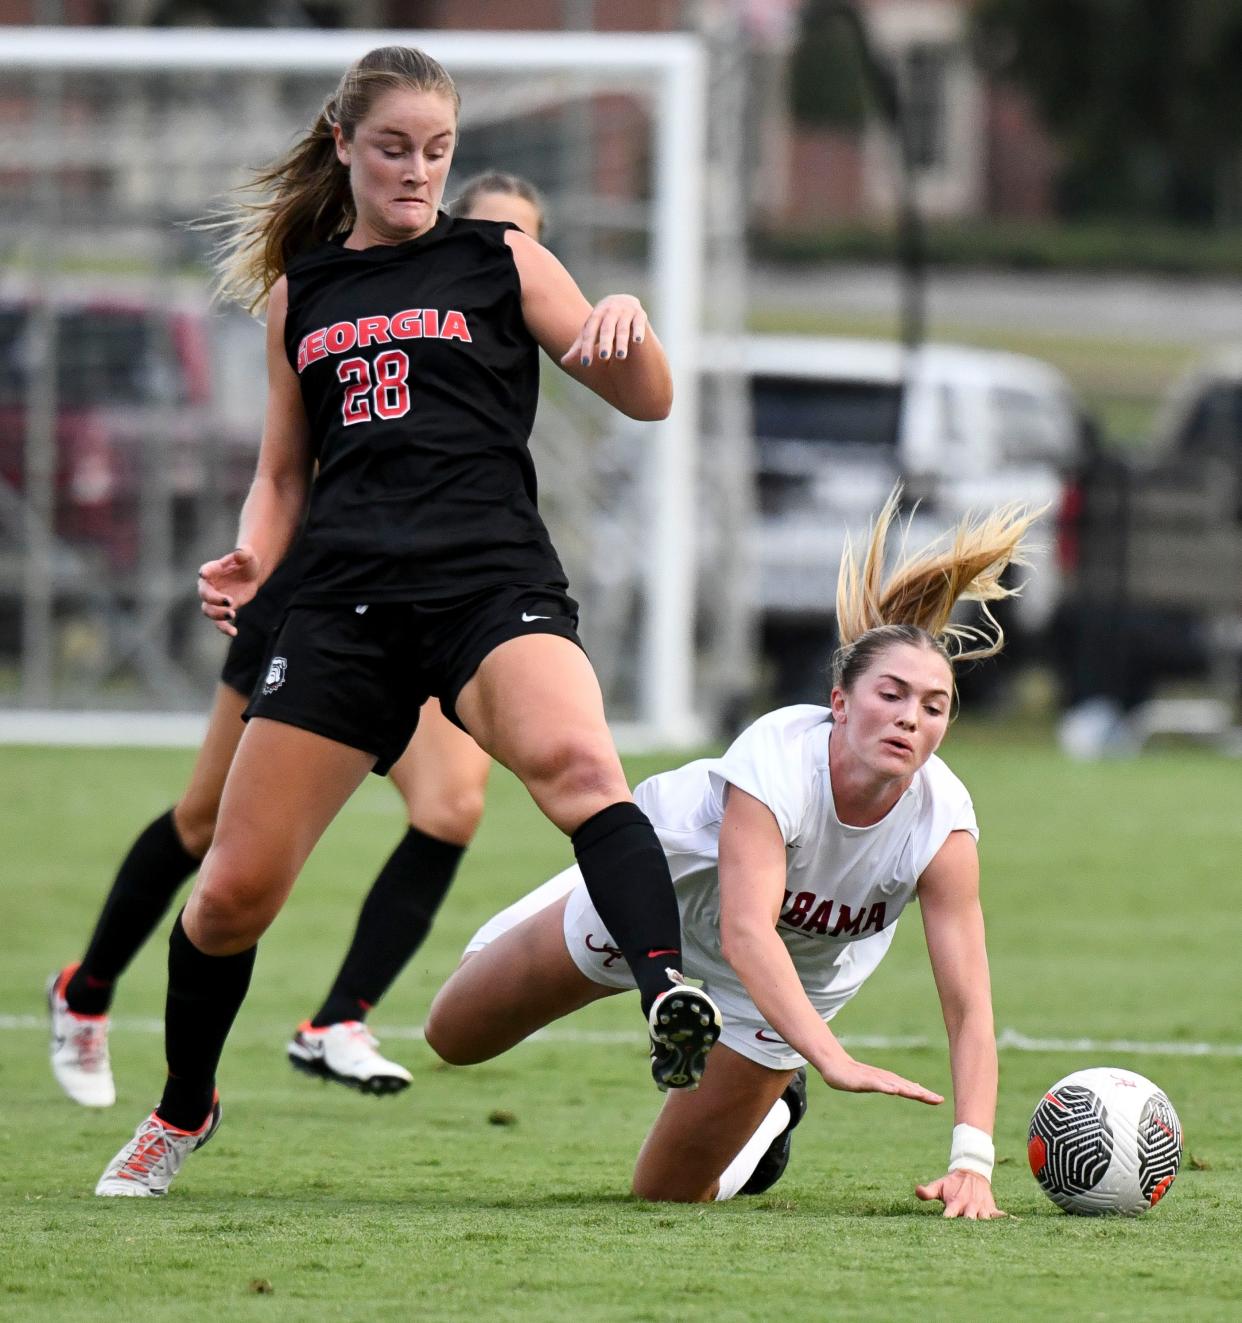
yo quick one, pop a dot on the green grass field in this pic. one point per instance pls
(1113, 914)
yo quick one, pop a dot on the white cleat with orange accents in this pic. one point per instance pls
(349, 1054)
(145, 1167)
(79, 1048)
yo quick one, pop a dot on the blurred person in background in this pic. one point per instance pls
(1111, 648)
(793, 856)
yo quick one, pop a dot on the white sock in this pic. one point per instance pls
(739, 1171)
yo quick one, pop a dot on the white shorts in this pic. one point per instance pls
(593, 950)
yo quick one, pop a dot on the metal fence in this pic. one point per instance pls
(130, 405)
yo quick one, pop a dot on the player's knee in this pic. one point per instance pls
(573, 770)
(233, 907)
(442, 1031)
(653, 1189)
(442, 1042)
(194, 817)
(452, 814)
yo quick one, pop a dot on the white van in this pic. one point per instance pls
(834, 429)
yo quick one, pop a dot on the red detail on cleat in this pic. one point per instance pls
(663, 950)
(147, 1154)
(1161, 1190)
(176, 1129)
(66, 974)
(1036, 1154)
(62, 983)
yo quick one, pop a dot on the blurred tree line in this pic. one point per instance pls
(826, 79)
(1143, 97)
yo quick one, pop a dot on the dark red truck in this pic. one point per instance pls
(138, 435)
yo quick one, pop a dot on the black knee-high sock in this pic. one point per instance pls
(395, 919)
(204, 995)
(627, 878)
(148, 879)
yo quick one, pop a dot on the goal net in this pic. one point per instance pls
(130, 407)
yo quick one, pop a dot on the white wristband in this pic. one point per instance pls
(972, 1150)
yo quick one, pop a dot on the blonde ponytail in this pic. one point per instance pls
(299, 201)
(914, 601)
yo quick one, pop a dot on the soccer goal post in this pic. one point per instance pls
(115, 486)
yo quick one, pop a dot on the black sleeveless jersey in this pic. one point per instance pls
(420, 382)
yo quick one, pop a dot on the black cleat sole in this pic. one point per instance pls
(687, 1026)
(379, 1086)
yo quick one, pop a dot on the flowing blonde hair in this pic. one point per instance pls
(303, 199)
(913, 602)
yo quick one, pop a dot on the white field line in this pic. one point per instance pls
(1008, 1039)
(185, 730)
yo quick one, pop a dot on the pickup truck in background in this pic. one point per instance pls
(1202, 414)
(838, 421)
(135, 414)
(156, 420)
(1149, 634)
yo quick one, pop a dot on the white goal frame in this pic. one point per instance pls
(666, 706)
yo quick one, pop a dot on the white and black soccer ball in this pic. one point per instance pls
(1105, 1141)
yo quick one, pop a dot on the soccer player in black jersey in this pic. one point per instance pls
(441, 776)
(403, 368)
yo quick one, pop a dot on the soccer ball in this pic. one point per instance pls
(1105, 1141)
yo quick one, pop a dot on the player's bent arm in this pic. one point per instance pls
(752, 887)
(615, 353)
(953, 925)
(277, 499)
(273, 508)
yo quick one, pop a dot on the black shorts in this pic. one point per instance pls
(359, 674)
(257, 623)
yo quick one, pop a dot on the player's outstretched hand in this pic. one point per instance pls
(964, 1194)
(616, 322)
(852, 1076)
(226, 584)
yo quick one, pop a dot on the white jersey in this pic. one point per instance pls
(845, 887)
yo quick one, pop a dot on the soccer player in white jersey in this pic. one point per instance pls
(792, 857)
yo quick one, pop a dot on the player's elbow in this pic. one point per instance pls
(651, 403)
(728, 944)
(646, 411)
(739, 941)
(656, 411)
